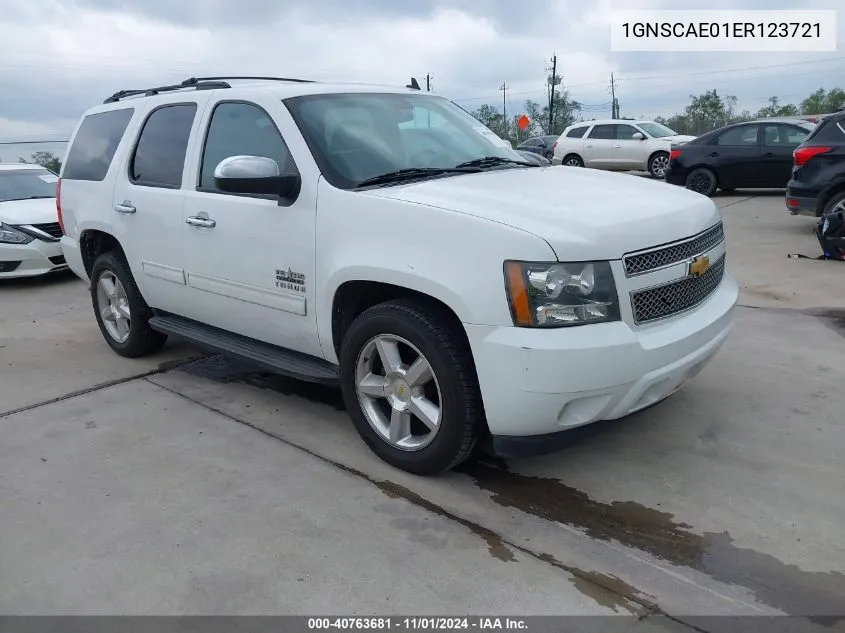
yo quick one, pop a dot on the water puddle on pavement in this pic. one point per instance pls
(783, 586)
(780, 585)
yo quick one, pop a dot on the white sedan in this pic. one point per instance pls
(29, 231)
(617, 145)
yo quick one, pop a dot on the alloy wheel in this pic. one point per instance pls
(398, 392)
(113, 306)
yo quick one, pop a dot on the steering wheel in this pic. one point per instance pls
(424, 158)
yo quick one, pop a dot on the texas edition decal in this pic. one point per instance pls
(289, 280)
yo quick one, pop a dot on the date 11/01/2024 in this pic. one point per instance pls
(418, 623)
(764, 30)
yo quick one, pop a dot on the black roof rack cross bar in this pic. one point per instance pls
(194, 80)
(149, 92)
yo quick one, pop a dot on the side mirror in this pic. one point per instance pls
(638, 136)
(255, 175)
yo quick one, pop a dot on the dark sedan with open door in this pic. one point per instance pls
(756, 154)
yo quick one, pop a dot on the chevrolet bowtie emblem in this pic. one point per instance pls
(699, 265)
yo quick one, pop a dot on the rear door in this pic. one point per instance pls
(779, 141)
(735, 156)
(148, 200)
(599, 149)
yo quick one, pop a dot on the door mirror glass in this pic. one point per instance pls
(638, 136)
(256, 175)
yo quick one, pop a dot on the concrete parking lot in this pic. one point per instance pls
(185, 483)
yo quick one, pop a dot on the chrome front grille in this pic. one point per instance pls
(640, 263)
(53, 229)
(659, 302)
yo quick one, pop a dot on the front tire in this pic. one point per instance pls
(120, 310)
(703, 181)
(409, 385)
(658, 164)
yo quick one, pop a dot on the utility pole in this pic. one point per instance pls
(552, 84)
(505, 126)
(428, 89)
(614, 105)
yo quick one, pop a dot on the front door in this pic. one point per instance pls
(147, 202)
(629, 153)
(250, 259)
(735, 157)
(779, 141)
(599, 147)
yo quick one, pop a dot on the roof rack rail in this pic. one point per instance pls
(294, 80)
(196, 84)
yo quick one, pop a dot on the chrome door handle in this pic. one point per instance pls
(198, 221)
(589, 145)
(125, 207)
(617, 146)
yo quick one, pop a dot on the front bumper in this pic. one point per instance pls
(30, 260)
(535, 382)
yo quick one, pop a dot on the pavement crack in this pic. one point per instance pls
(163, 367)
(497, 544)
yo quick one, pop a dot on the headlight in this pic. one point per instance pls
(10, 235)
(559, 295)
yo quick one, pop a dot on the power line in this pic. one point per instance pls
(671, 76)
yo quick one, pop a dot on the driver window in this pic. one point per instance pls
(241, 129)
(625, 132)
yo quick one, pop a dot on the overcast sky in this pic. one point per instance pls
(59, 57)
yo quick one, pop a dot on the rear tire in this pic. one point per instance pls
(836, 203)
(120, 310)
(572, 160)
(703, 181)
(389, 406)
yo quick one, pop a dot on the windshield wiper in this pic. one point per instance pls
(490, 161)
(415, 172)
(36, 197)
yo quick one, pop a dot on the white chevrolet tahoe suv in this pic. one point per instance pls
(383, 240)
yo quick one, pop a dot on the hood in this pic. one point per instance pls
(679, 138)
(582, 213)
(40, 211)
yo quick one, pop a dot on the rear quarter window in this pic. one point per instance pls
(95, 144)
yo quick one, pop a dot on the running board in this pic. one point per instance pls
(264, 355)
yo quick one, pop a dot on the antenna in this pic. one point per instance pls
(413, 85)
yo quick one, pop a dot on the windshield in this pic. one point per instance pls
(355, 137)
(23, 184)
(656, 130)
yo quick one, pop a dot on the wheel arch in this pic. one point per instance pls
(353, 296)
(95, 242)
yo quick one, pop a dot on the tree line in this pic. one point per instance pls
(46, 159)
(704, 112)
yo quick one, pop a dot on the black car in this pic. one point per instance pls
(542, 145)
(757, 154)
(818, 173)
(534, 158)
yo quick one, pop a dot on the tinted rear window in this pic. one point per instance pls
(159, 158)
(95, 143)
(828, 130)
(577, 132)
